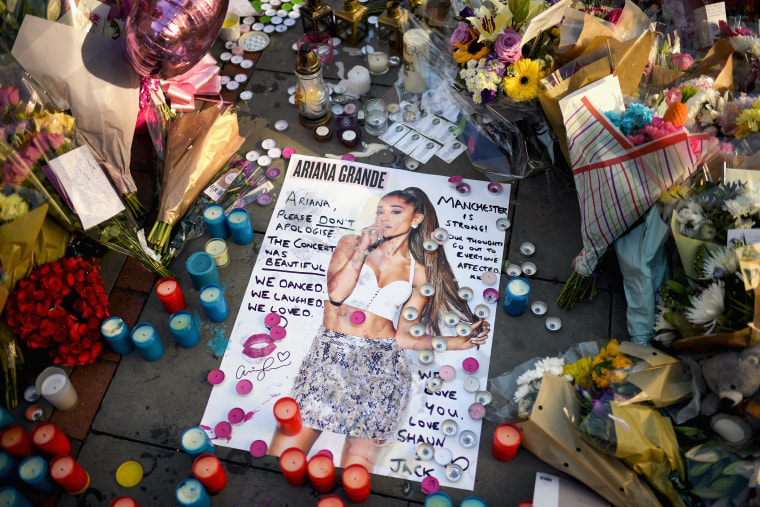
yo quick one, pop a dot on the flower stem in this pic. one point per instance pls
(576, 289)
(133, 204)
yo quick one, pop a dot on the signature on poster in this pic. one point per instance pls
(280, 360)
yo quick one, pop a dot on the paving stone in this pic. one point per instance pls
(126, 304)
(134, 276)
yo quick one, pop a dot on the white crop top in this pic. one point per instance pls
(385, 301)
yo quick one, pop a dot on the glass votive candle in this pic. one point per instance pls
(217, 248)
(213, 302)
(239, 222)
(147, 341)
(116, 334)
(183, 328)
(54, 385)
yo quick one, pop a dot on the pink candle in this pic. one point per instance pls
(506, 441)
(288, 416)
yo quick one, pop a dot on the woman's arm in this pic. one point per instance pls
(346, 263)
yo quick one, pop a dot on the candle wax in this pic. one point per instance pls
(330, 501)
(180, 322)
(53, 384)
(210, 294)
(518, 287)
(472, 501)
(213, 212)
(112, 327)
(142, 335)
(167, 287)
(194, 439)
(237, 218)
(438, 499)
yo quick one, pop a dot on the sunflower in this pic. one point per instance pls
(523, 85)
(473, 50)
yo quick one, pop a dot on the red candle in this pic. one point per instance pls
(49, 439)
(288, 416)
(321, 471)
(16, 441)
(356, 483)
(330, 501)
(123, 501)
(506, 441)
(208, 470)
(69, 474)
(293, 466)
(170, 295)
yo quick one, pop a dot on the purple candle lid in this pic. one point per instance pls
(236, 415)
(288, 152)
(455, 180)
(348, 157)
(470, 365)
(273, 173)
(357, 318)
(447, 372)
(495, 188)
(216, 377)
(277, 333)
(259, 449)
(264, 198)
(490, 295)
(463, 188)
(477, 411)
(271, 320)
(244, 387)
(325, 452)
(223, 429)
(430, 485)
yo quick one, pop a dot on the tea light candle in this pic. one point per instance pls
(377, 61)
(69, 474)
(202, 269)
(330, 501)
(11, 497)
(216, 221)
(477, 411)
(293, 466)
(410, 313)
(451, 319)
(473, 501)
(239, 223)
(440, 344)
(425, 451)
(258, 448)
(236, 415)
(440, 234)
(506, 441)
(438, 499)
(244, 387)
(183, 328)
(356, 483)
(427, 289)
(116, 334)
(49, 439)
(217, 248)
(8, 468)
(321, 470)
(209, 471)
(516, 297)
(54, 385)
(430, 245)
(190, 493)
(34, 472)
(425, 356)
(170, 295)
(147, 341)
(288, 416)
(213, 302)
(195, 442)
(16, 441)
(417, 330)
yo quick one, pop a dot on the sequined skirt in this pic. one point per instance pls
(353, 386)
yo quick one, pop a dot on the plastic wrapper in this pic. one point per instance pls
(717, 474)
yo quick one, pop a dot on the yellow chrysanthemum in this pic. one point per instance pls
(523, 85)
(612, 347)
(580, 371)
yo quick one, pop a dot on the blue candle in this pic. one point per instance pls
(195, 442)
(202, 269)
(216, 222)
(34, 471)
(147, 341)
(438, 499)
(10, 497)
(8, 467)
(516, 297)
(213, 303)
(239, 223)
(183, 328)
(190, 493)
(116, 334)
(473, 501)
(6, 418)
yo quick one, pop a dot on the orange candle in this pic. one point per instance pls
(321, 471)
(288, 416)
(69, 475)
(330, 501)
(293, 466)
(506, 441)
(123, 501)
(209, 471)
(16, 441)
(49, 439)
(356, 483)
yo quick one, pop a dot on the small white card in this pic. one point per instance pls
(450, 151)
(746, 236)
(550, 491)
(92, 197)
(706, 20)
(394, 133)
(425, 151)
(410, 142)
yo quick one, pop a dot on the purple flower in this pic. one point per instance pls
(507, 46)
(466, 13)
(487, 95)
(494, 65)
(461, 35)
(614, 16)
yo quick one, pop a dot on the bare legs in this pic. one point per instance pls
(304, 440)
(360, 451)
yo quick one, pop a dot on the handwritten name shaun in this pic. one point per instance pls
(345, 173)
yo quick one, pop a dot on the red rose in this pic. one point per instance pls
(36, 341)
(60, 334)
(69, 279)
(87, 292)
(100, 312)
(53, 285)
(47, 328)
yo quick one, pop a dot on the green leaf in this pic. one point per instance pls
(520, 10)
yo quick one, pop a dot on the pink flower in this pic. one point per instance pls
(637, 139)
(726, 148)
(8, 96)
(507, 46)
(614, 16)
(683, 61)
(659, 128)
(45, 141)
(16, 169)
(461, 35)
(672, 95)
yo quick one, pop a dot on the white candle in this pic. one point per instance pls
(236, 218)
(217, 248)
(180, 322)
(143, 334)
(378, 62)
(55, 387)
(210, 294)
(518, 287)
(359, 80)
(415, 57)
(112, 327)
(213, 212)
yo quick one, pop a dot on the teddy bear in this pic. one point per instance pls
(733, 378)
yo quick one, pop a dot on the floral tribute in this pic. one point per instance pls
(60, 307)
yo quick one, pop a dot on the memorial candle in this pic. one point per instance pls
(147, 341)
(288, 416)
(6, 418)
(123, 501)
(34, 472)
(293, 466)
(190, 493)
(69, 475)
(202, 269)
(116, 334)
(10, 497)
(183, 328)
(355, 481)
(217, 248)
(321, 470)
(49, 439)
(8, 468)
(516, 297)
(54, 385)
(506, 441)
(170, 295)
(216, 221)
(438, 499)
(213, 302)
(239, 223)
(209, 471)
(330, 501)
(16, 441)
(473, 501)
(195, 441)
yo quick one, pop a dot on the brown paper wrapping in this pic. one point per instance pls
(718, 64)
(198, 145)
(551, 435)
(663, 380)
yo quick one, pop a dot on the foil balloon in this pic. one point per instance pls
(165, 38)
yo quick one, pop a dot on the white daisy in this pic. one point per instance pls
(707, 306)
(720, 262)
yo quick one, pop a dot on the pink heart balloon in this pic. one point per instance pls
(165, 38)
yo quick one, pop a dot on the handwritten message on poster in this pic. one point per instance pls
(333, 211)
